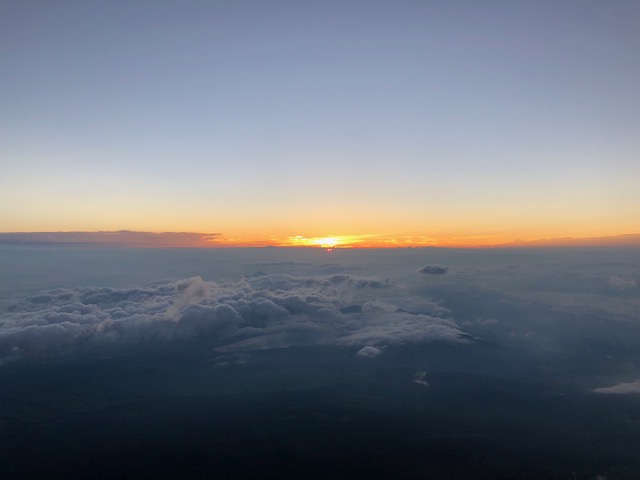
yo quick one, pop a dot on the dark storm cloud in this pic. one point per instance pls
(434, 269)
(259, 312)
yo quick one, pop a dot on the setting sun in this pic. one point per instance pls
(327, 242)
(341, 241)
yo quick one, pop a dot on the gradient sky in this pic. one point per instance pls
(446, 122)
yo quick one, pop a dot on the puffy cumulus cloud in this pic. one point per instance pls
(620, 388)
(369, 352)
(434, 269)
(258, 312)
(621, 283)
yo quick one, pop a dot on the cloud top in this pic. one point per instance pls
(259, 312)
(369, 352)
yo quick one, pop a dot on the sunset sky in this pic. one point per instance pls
(362, 123)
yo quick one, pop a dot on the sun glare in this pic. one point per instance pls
(338, 241)
(384, 241)
(326, 242)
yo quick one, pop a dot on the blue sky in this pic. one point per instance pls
(295, 118)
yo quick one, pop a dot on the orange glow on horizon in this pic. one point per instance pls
(363, 241)
(377, 241)
(335, 241)
(133, 238)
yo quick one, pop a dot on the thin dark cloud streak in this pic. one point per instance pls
(125, 238)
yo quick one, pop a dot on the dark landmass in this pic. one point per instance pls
(310, 413)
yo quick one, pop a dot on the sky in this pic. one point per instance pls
(328, 123)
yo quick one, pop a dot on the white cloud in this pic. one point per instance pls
(369, 352)
(419, 378)
(620, 388)
(402, 328)
(481, 321)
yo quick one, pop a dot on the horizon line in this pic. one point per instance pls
(183, 239)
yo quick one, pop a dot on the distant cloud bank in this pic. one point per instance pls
(119, 238)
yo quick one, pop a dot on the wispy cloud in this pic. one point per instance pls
(117, 238)
(620, 388)
(617, 240)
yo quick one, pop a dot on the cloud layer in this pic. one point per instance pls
(259, 312)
